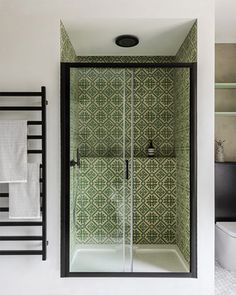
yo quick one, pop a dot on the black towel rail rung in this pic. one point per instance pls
(34, 151)
(6, 209)
(42, 151)
(34, 122)
(20, 108)
(21, 252)
(21, 238)
(34, 136)
(19, 93)
(6, 195)
(21, 223)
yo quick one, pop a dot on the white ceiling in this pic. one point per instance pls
(156, 36)
(225, 29)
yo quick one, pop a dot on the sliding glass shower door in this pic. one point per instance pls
(128, 170)
(100, 167)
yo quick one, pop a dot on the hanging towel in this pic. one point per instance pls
(24, 198)
(13, 151)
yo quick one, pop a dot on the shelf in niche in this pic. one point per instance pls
(151, 158)
(225, 113)
(225, 85)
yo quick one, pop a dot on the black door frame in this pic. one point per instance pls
(65, 169)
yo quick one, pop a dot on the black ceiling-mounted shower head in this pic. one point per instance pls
(126, 41)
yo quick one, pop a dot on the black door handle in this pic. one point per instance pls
(73, 162)
(126, 169)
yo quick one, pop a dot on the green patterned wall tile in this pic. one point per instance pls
(67, 51)
(100, 111)
(154, 201)
(126, 59)
(188, 50)
(186, 53)
(100, 201)
(100, 134)
(182, 133)
(99, 124)
(154, 114)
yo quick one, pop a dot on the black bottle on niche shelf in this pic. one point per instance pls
(151, 150)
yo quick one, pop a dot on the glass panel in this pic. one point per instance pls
(129, 110)
(161, 170)
(130, 187)
(182, 158)
(97, 218)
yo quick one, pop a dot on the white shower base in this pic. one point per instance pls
(146, 258)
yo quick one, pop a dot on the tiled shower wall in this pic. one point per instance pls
(99, 111)
(182, 159)
(187, 53)
(104, 93)
(99, 205)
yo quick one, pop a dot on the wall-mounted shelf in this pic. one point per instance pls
(225, 113)
(225, 85)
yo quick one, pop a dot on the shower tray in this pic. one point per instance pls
(146, 258)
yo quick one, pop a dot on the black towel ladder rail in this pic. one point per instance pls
(43, 223)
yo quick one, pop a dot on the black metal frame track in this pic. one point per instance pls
(65, 169)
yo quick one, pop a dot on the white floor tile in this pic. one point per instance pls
(225, 281)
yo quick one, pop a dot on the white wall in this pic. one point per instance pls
(29, 58)
(225, 21)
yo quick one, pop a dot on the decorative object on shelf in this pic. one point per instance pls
(219, 150)
(151, 149)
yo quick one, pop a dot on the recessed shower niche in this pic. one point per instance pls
(125, 213)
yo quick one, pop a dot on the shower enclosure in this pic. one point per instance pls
(125, 213)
